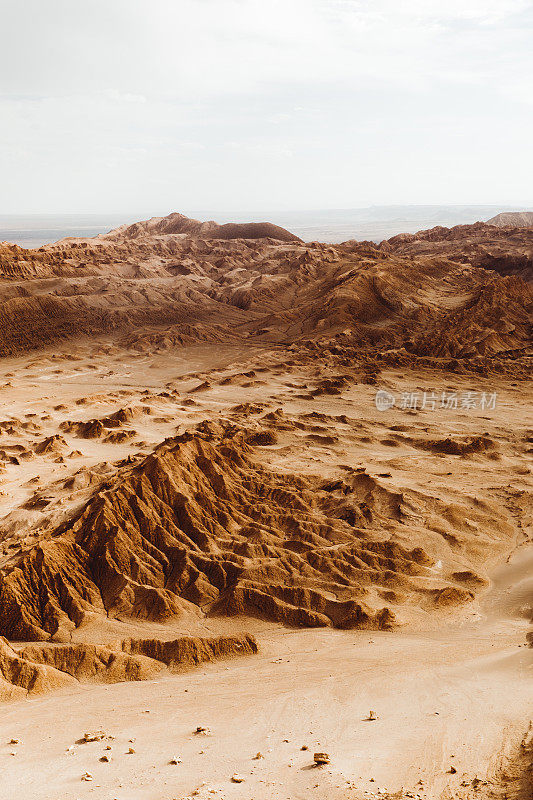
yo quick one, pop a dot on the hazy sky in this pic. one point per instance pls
(160, 105)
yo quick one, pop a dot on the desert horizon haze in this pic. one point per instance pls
(325, 225)
(266, 518)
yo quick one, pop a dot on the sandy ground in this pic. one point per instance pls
(448, 690)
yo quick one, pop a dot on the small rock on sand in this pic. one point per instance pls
(96, 736)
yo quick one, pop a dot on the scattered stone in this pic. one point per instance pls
(15, 741)
(452, 770)
(86, 776)
(97, 736)
(321, 758)
(105, 759)
(237, 779)
(174, 760)
(304, 747)
(258, 756)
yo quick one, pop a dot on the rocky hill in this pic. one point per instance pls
(181, 225)
(512, 219)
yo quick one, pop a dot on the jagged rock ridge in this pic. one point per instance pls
(201, 528)
(37, 669)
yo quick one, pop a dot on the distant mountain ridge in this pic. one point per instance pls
(513, 219)
(374, 223)
(218, 285)
(180, 224)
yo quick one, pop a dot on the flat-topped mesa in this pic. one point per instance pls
(179, 224)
